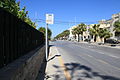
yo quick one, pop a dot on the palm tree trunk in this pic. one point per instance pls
(93, 38)
(83, 38)
(75, 36)
(103, 40)
(78, 38)
(98, 39)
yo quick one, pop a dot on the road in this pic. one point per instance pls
(84, 61)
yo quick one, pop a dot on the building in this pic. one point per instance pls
(71, 36)
(109, 24)
(86, 34)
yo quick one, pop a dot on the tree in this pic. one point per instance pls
(28, 20)
(22, 14)
(14, 8)
(104, 34)
(94, 31)
(63, 35)
(66, 33)
(82, 29)
(42, 29)
(11, 6)
(117, 28)
(79, 30)
(74, 32)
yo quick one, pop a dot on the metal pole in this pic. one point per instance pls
(46, 41)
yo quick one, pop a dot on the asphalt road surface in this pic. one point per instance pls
(84, 61)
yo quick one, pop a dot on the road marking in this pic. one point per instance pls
(101, 52)
(66, 73)
(113, 56)
(103, 62)
(89, 55)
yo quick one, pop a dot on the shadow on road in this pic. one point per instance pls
(82, 72)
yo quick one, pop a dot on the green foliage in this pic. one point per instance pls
(74, 32)
(94, 30)
(22, 14)
(79, 30)
(117, 28)
(42, 29)
(104, 33)
(28, 20)
(10, 6)
(101, 32)
(66, 33)
(14, 8)
(63, 34)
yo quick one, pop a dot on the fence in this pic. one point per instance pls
(16, 38)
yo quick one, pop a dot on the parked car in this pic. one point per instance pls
(112, 41)
(100, 43)
(87, 40)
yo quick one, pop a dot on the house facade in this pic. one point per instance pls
(109, 24)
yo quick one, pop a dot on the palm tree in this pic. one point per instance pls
(104, 34)
(94, 31)
(77, 31)
(117, 28)
(82, 29)
(74, 33)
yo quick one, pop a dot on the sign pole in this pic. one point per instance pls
(49, 20)
(46, 41)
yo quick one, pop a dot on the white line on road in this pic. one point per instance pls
(113, 56)
(89, 55)
(101, 52)
(103, 61)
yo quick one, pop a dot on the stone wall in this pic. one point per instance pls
(26, 67)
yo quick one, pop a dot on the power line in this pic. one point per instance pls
(63, 22)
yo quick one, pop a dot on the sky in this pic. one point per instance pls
(68, 13)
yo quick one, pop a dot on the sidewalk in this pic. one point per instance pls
(53, 69)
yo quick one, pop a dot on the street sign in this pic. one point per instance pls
(49, 18)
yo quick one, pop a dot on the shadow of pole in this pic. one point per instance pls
(53, 57)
